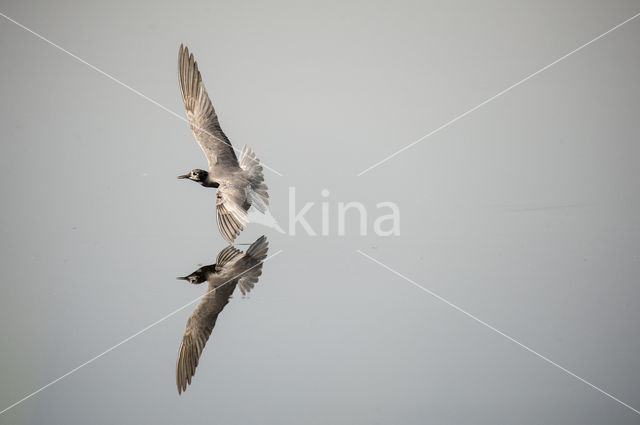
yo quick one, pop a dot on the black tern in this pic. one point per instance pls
(239, 182)
(232, 268)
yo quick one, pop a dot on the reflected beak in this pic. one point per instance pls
(184, 176)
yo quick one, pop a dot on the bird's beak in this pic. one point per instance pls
(182, 278)
(184, 176)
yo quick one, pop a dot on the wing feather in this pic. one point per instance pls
(199, 328)
(231, 213)
(227, 255)
(203, 119)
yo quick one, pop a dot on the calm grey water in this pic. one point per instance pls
(523, 213)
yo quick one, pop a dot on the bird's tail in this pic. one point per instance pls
(258, 249)
(258, 195)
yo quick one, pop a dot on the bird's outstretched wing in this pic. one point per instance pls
(199, 327)
(231, 211)
(203, 119)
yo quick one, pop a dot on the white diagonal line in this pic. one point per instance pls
(128, 87)
(448, 123)
(132, 336)
(499, 332)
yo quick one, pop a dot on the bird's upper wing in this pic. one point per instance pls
(231, 211)
(199, 327)
(203, 119)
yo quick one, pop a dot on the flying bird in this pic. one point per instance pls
(232, 268)
(239, 182)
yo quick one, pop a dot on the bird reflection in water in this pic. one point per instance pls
(232, 268)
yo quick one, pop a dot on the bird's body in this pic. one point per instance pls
(239, 181)
(232, 268)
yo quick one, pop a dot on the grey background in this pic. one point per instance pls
(524, 213)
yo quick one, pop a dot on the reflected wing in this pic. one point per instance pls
(231, 211)
(199, 327)
(226, 256)
(202, 117)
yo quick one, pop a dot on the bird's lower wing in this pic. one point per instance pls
(199, 328)
(231, 211)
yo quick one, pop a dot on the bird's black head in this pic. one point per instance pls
(197, 175)
(196, 277)
(200, 275)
